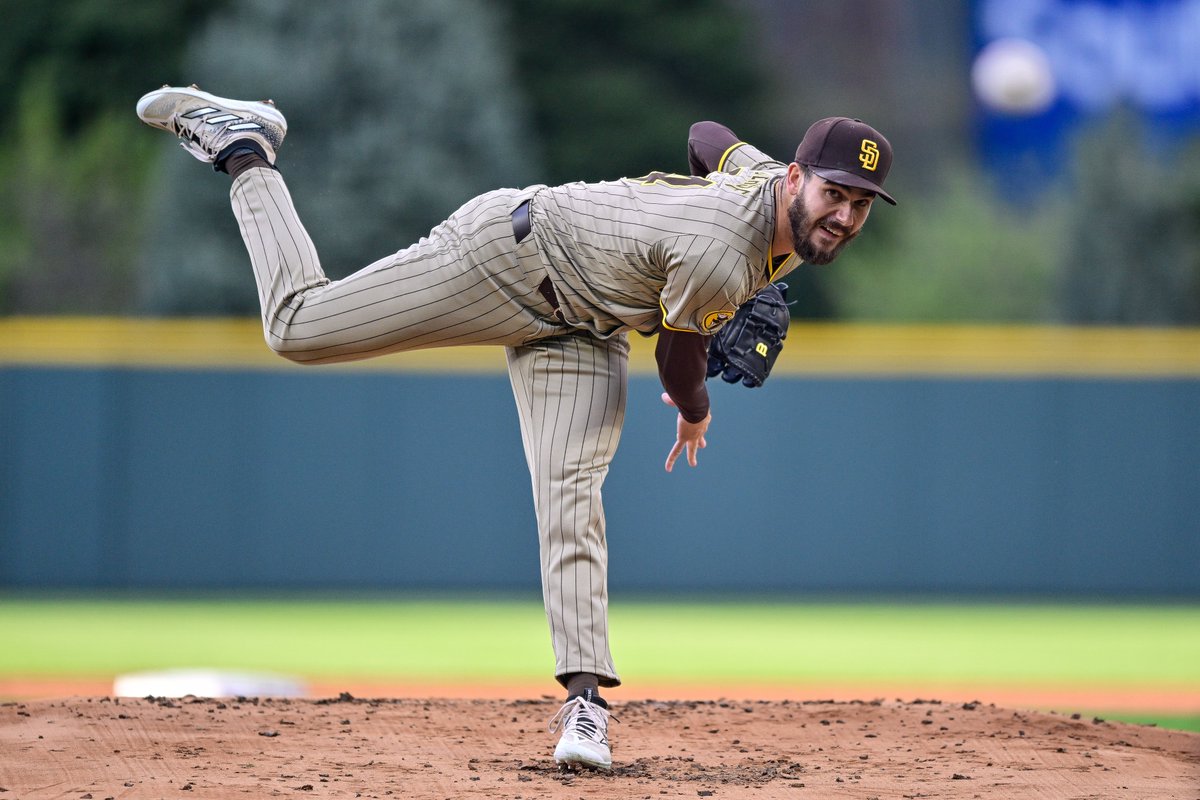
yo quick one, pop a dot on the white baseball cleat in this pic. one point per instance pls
(207, 125)
(584, 738)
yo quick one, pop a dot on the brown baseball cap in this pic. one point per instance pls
(849, 152)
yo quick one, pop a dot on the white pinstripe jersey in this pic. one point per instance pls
(675, 249)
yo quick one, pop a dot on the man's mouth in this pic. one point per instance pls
(832, 230)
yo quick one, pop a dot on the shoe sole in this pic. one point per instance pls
(580, 759)
(579, 762)
(265, 110)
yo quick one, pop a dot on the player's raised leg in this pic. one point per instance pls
(467, 282)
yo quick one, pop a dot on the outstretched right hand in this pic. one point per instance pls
(689, 437)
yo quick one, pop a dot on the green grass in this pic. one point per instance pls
(499, 639)
(1125, 645)
(1172, 722)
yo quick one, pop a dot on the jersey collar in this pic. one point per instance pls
(774, 268)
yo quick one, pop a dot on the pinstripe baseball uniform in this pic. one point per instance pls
(557, 275)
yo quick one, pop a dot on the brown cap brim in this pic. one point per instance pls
(850, 179)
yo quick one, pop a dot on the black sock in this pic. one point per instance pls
(240, 156)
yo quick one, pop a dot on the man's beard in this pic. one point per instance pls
(803, 225)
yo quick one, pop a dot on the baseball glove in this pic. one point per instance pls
(746, 347)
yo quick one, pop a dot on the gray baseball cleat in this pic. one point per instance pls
(584, 739)
(208, 125)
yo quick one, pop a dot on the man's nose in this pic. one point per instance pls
(843, 214)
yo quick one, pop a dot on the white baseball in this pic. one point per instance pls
(1013, 76)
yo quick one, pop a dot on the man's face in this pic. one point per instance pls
(825, 217)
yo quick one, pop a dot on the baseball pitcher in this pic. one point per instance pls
(558, 276)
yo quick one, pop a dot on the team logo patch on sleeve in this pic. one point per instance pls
(715, 319)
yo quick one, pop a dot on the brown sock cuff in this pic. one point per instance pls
(239, 162)
(577, 682)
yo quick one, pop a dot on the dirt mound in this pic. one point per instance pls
(96, 748)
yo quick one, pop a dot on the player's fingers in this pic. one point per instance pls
(666, 398)
(694, 449)
(674, 454)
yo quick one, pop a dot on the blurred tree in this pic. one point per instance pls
(1134, 233)
(92, 55)
(69, 210)
(616, 85)
(958, 255)
(398, 113)
(71, 173)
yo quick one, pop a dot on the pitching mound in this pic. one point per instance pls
(96, 748)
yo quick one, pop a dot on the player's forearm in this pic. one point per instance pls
(707, 143)
(682, 359)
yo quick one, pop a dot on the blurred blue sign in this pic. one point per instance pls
(1043, 67)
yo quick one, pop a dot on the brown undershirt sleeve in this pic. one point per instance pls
(682, 358)
(707, 142)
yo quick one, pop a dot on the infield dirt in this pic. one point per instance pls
(97, 748)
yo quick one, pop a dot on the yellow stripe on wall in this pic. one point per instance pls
(992, 350)
(195, 344)
(810, 349)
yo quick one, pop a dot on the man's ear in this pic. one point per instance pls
(795, 177)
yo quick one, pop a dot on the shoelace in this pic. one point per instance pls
(588, 718)
(190, 140)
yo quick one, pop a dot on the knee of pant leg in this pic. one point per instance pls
(290, 349)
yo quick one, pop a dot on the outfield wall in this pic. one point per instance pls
(182, 455)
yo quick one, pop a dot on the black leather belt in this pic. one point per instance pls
(522, 227)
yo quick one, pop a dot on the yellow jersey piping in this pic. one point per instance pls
(664, 319)
(726, 154)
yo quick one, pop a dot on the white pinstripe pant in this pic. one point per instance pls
(469, 282)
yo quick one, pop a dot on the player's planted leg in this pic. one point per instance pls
(570, 392)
